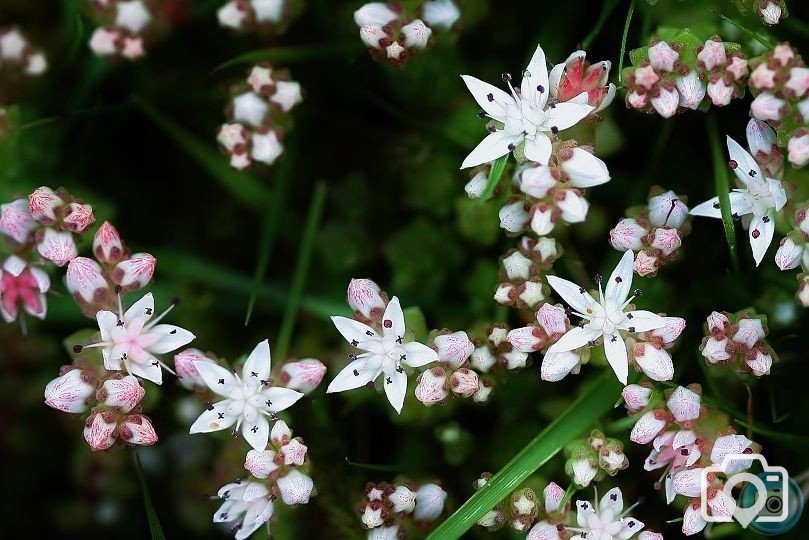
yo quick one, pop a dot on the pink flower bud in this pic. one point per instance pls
(476, 186)
(552, 495)
(233, 137)
(536, 179)
(304, 375)
(803, 292)
(374, 13)
(750, 332)
(78, 217)
(557, 366)
(722, 505)
(137, 429)
(260, 79)
(687, 483)
(655, 363)
(636, 397)
(464, 382)
(70, 392)
(718, 322)
(719, 92)
(737, 67)
(636, 100)
(294, 452)
(712, 54)
(666, 240)
(526, 339)
(186, 370)
(295, 488)
(85, 281)
(684, 404)
(103, 42)
(429, 502)
(666, 210)
(798, 81)
(542, 220)
(135, 272)
(513, 217)
(517, 266)
(789, 254)
(693, 522)
(673, 328)
(645, 264)
(691, 89)
(768, 107)
(727, 445)
(760, 138)
(573, 205)
(770, 13)
(717, 350)
(662, 56)
(416, 34)
(260, 463)
(650, 535)
(280, 434)
(99, 430)
(647, 427)
(547, 249)
(123, 392)
(364, 296)
(759, 364)
(430, 388)
(57, 247)
(454, 348)
(107, 245)
(133, 48)
(403, 500)
(667, 101)
(543, 531)
(16, 221)
(42, 205)
(552, 319)
(628, 235)
(798, 147)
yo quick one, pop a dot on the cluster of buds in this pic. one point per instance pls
(794, 252)
(769, 11)
(518, 511)
(392, 33)
(685, 440)
(93, 283)
(671, 76)
(261, 16)
(18, 57)
(279, 471)
(737, 339)
(780, 81)
(386, 506)
(554, 191)
(594, 458)
(453, 376)
(648, 351)
(653, 232)
(124, 27)
(258, 115)
(497, 350)
(522, 270)
(22, 285)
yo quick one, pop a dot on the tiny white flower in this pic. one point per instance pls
(287, 95)
(666, 101)
(384, 533)
(440, 13)
(16, 221)
(583, 168)
(482, 359)
(85, 280)
(557, 365)
(250, 108)
(770, 13)
(12, 45)
(750, 332)
(266, 147)
(628, 235)
(57, 246)
(384, 355)
(403, 500)
(662, 56)
(653, 361)
(260, 463)
(606, 317)
(691, 89)
(132, 15)
(583, 470)
(375, 13)
(606, 521)
(517, 266)
(667, 210)
(429, 502)
(247, 506)
(477, 185)
(454, 348)
(231, 15)
(268, 11)
(416, 34)
(731, 444)
(684, 404)
(789, 254)
(573, 205)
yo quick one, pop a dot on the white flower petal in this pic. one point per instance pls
(258, 364)
(355, 332)
(585, 170)
(148, 369)
(142, 308)
(744, 162)
(490, 98)
(615, 349)
(280, 398)
(210, 420)
(490, 148)
(393, 324)
(355, 374)
(565, 115)
(419, 354)
(620, 282)
(217, 378)
(612, 500)
(573, 339)
(536, 75)
(779, 194)
(643, 321)
(171, 338)
(539, 149)
(556, 366)
(577, 297)
(395, 384)
(761, 233)
(257, 433)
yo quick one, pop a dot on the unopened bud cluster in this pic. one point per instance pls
(522, 271)
(519, 511)
(594, 458)
(393, 32)
(686, 437)
(260, 16)
(654, 232)
(769, 11)
(18, 57)
(738, 339)
(671, 76)
(455, 375)
(125, 27)
(386, 507)
(648, 351)
(258, 115)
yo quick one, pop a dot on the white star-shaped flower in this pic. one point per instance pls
(131, 339)
(249, 400)
(607, 521)
(605, 318)
(761, 196)
(524, 116)
(384, 354)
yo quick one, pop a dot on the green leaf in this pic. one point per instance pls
(155, 530)
(415, 322)
(722, 188)
(498, 166)
(596, 401)
(244, 186)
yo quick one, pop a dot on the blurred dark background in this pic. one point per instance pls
(388, 143)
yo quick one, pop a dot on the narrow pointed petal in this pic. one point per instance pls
(490, 98)
(395, 388)
(585, 170)
(490, 148)
(354, 375)
(779, 194)
(576, 297)
(280, 398)
(573, 339)
(217, 378)
(354, 331)
(148, 369)
(612, 500)
(210, 420)
(565, 115)
(419, 354)
(745, 164)
(739, 205)
(171, 338)
(142, 308)
(258, 364)
(257, 433)
(643, 321)
(393, 320)
(539, 149)
(615, 350)
(107, 321)
(620, 282)
(761, 233)
(535, 76)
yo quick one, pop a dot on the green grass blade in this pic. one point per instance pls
(754, 35)
(155, 530)
(624, 37)
(596, 401)
(296, 53)
(301, 271)
(722, 188)
(498, 166)
(244, 186)
(606, 10)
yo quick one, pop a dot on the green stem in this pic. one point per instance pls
(571, 489)
(498, 166)
(624, 37)
(155, 530)
(301, 271)
(722, 188)
(606, 10)
(596, 401)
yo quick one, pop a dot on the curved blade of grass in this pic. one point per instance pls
(301, 271)
(596, 401)
(722, 188)
(244, 186)
(295, 53)
(155, 530)
(754, 35)
(624, 37)
(606, 10)
(498, 166)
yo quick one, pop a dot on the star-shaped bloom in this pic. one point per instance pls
(249, 400)
(524, 116)
(606, 317)
(247, 506)
(131, 339)
(608, 520)
(761, 196)
(384, 354)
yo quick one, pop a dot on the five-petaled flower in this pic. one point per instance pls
(606, 519)
(384, 354)
(605, 318)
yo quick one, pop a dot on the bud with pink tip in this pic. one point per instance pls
(107, 245)
(628, 235)
(717, 350)
(693, 522)
(294, 453)
(691, 89)
(712, 54)
(71, 391)
(653, 361)
(526, 339)
(798, 81)
(295, 488)
(104, 41)
(759, 363)
(123, 392)
(303, 375)
(16, 221)
(42, 205)
(99, 430)
(647, 427)
(636, 397)
(454, 348)
(667, 210)
(373, 36)
(552, 319)
(666, 240)
(646, 264)
(85, 280)
(720, 92)
(542, 219)
(78, 217)
(374, 13)
(429, 502)
(280, 434)
(464, 382)
(403, 500)
(430, 389)
(731, 444)
(750, 332)
(684, 404)
(789, 254)
(365, 296)
(186, 370)
(136, 272)
(670, 331)
(416, 34)
(667, 101)
(57, 247)
(136, 429)
(718, 322)
(573, 205)
(637, 100)
(768, 107)
(760, 138)
(556, 366)
(663, 57)
(798, 148)
(650, 535)
(476, 186)
(547, 249)
(260, 463)
(770, 12)
(513, 217)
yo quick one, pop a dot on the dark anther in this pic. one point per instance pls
(264, 382)
(490, 97)
(387, 323)
(173, 331)
(554, 130)
(506, 77)
(254, 429)
(399, 340)
(221, 381)
(399, 369)
(618, 279)
(387, 380)
(613, 497)
(613, 338)
(540, 88)
(481, 114)
(352, 357)
(77, 348)
(209, 406)
(403, 357)
(354, 342)
(629, 315)
(631, 329)
(175, 301)
(637, 292)
(269, 403)
(766, 219)
(356, 373)
(118, 289)
(752, 173)
(511, 147)
(582, 290)
(148, 311)
(732, 164)
(369, 333)
(221, 415)
(155, 364)
(119, 323)
(253, 374)
(716, 205)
